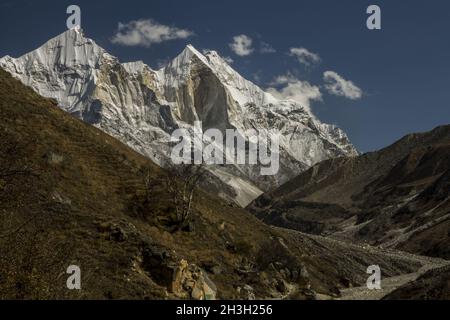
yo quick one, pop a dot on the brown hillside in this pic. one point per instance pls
(70, 194)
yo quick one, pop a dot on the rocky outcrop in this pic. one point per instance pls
(182, 279)
(189, 281)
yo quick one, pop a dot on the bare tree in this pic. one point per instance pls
(181, 184)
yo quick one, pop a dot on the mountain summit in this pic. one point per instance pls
(142, 107)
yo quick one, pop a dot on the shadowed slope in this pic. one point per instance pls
(397, 197)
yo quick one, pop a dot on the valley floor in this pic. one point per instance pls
(390, 257)
(389, 285)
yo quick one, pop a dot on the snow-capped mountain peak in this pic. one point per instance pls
(142, 107)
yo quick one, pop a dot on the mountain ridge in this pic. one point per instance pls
(142, 107)
(396, 197)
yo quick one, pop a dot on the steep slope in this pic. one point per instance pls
(142, 107)
(73, 195)
(396, 197)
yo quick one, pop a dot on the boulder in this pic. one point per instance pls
(190, 281)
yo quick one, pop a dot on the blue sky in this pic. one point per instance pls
(403, 69)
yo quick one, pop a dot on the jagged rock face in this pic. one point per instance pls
(64, 68)
(142, 107)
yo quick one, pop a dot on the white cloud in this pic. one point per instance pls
(266, 48)
(338, 86)
(295, 89)
(242, 45)
(283, 79)
(304, 56)
(146, 32)
(228, 60)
